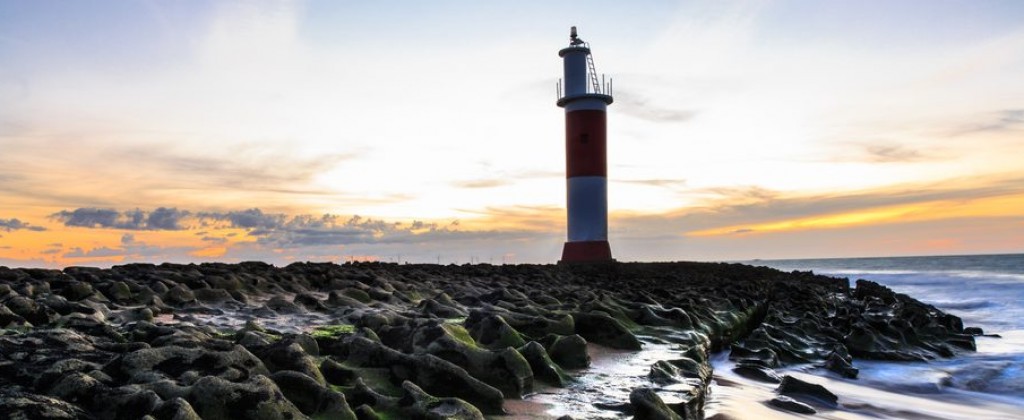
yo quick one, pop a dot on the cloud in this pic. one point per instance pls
(1007, 119)
(253, 167)
(162, 218)
(274, 229)
(10, 225)
(166, 219)
(328, 230)
(734, 210)
(101, 252)
(641, 107)
(664, 183)
(482, 183)
(248, 219)
(887, 153)
(131, 250)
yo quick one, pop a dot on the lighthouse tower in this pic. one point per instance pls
(585, 98)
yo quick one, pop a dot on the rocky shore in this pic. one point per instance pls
(386, 341)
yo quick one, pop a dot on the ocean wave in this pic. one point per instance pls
(988, 275)
(962, 304)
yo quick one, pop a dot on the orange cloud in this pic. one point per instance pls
(212, 252)
(907, 213)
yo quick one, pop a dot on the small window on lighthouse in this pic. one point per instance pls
(584, 138)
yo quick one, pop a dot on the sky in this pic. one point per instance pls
(282, 131)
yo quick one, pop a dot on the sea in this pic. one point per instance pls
(986, 291)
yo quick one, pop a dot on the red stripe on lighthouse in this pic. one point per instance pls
(585, 149)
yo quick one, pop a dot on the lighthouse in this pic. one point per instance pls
(585, 98)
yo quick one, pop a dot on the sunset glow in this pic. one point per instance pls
(315, 130)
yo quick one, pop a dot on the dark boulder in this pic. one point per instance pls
(797, 388)
(570, 352)
(258, 398)
(21, 405)
(602, 329)
(311, 397)
(647, 405)
(175, 409)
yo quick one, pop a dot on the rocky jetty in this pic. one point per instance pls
(370, 340)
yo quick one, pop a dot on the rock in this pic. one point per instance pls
(358, 295)
(605, 330)
(538, 326)
(840, 365)
(974, 331)
(797, 388)
(76, 387)
(61, 369)
(21, 405)
(435, 375)
(365, 412)
(7, 317)
(124, 403)
(212, 295)
(258, 398)
(336, 300)
(289, 355)
(306, 341)
(281, 305)
(311, 397)
(139, 338)
(663, 372)
(336, 374)
(309, 301)
(647, 405)
(491, 331)
(418, 404)
(120, 292)
(789, 404)
(180, 294)
(252, 339)
(228, 283)
(433, 307)
(757, 372)
(542, 366)
(570, 352)
(174, 361)
(503, 369)
(175, 409)
(32, 312)
(78, 290)
(765, 355)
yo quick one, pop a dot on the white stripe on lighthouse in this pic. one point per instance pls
(588, 208)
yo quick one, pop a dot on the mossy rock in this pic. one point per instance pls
(491, 331)
(357, 294)
(332, 331)
(602, 329)
(460, 334)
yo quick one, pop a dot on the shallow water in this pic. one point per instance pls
(598, 390)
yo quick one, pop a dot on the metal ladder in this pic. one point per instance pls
(593, 74)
